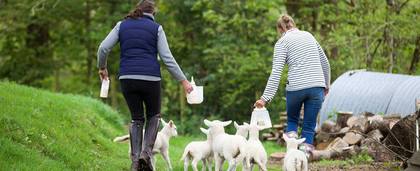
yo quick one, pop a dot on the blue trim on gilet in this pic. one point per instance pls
(138, 42)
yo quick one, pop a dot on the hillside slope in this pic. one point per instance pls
(40, 130)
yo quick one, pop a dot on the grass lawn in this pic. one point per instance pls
(41, 130)
(177, 148)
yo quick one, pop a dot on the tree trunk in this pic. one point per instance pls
(368, 55)
(57, 85)
(390, 43)
(416, 57)
(37, 41)
(372, 56)
(3, 3)
(88, 42)
(389, 38)
(334, 49)
(314, 20)
(293, 7)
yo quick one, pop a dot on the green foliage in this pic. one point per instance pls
(226, 45)
(361, 158)
(332, 114)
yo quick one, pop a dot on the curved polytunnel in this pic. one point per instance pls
(380, 93)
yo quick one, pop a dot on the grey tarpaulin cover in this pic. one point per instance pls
(380, 93)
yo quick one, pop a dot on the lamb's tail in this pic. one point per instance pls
(122, 138)
(185, 154)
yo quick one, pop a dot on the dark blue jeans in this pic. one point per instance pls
(312, 99)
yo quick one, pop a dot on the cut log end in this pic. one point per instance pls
(342, 118)
(352, 138)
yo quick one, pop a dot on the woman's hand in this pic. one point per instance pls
(326, 91)
(103, 73)
(187, 86)
(259, 103)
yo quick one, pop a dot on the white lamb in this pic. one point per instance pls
(295, 160)
(161, 144)
(198, 150)
(225, 147)
(241, 130)
(256, 153)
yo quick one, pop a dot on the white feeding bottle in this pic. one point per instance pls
(261, 117)
(104, 88)
(196, 96)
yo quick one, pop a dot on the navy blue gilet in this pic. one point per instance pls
(138, 44)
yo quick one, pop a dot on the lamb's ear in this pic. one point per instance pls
(247, 124)
(285, 137)
(226, 123)
(300, 141)
(208, 123)
(205, 131)
(236, 125)
(163, 122)
(171, 123)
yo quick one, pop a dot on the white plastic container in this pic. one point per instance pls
(261, 118)
(196, 96)
(104, 88)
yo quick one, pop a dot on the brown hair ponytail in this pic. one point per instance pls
(285, 22)
(144, 6)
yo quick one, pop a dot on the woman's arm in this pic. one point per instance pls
(325, 66)
(279, 59)
(167, 57)
(106, 46)
(170, 62)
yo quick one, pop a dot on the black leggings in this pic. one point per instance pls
(137, 92)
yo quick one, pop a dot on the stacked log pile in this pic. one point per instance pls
(385, 138)
(277, 131)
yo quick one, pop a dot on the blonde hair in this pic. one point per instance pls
(285, 22)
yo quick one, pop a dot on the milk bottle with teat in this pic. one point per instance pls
(196, 96)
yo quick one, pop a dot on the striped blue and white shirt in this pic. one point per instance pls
(307, 62)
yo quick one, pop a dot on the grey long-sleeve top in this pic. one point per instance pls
(163, 50)
(308, 64)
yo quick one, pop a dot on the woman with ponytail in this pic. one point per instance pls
(141, 39)
(308, 78)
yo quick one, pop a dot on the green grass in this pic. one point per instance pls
(360, 159)
(177, 145)
(41, 130)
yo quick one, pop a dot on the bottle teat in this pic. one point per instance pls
(192, 81)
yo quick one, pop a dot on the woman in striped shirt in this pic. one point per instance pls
(308, 78)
